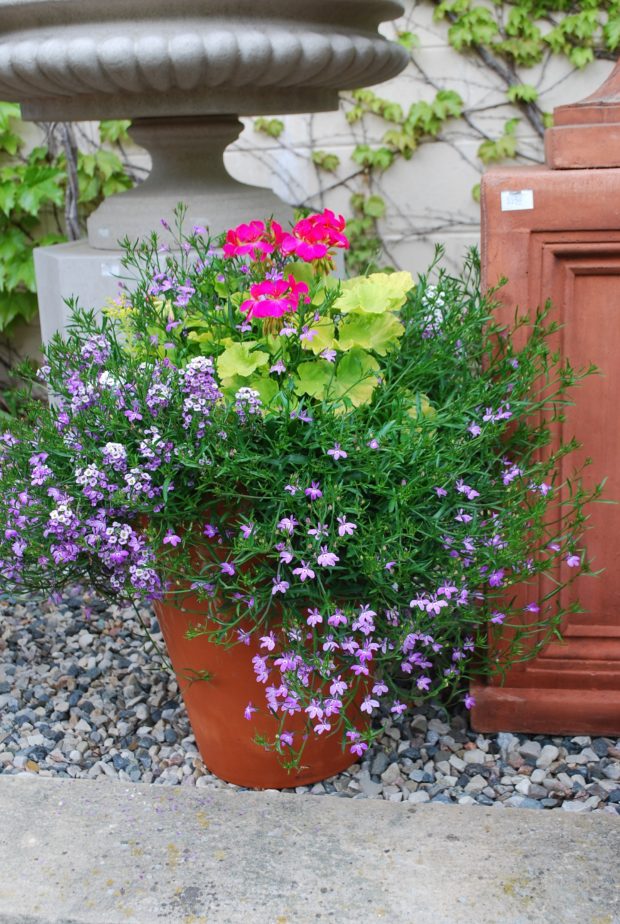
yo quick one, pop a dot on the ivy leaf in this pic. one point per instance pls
(374, 207)
(381, 158)
(408, 40)
(313, 378)
(271, 127)
(374, 294)
(41, 186)
(611, 31)
(326, 161)
(377, 332)
(8, 195)
(505, 146)
(448, 103)
(580, 56)
(238, 359)
(14, 305)
(114, 131)
(522, 93)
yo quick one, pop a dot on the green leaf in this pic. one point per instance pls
(41, 186)
(355, 378)
(113, 131)
(611, 31)
(522, 93)
(324, 339)
(421, 407)
(374, 294)
(326, 161)
(377, 332)
(381, 158)
(374, 206)
(313, 378)
(238, 359)
(271, 127)
(408, 40)
(16, 305)
(580, 56)
(505, 146)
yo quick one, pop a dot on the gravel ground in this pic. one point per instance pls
(79, 697)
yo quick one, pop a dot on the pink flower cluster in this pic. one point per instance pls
(312, 238)
(273, 298)
(256, 240)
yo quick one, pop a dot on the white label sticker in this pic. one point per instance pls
(110, 269)
(516, 200)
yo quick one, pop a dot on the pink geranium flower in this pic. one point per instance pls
(314, 237)
(273, 298)
(255, 240)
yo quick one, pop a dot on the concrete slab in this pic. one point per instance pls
(80, 852)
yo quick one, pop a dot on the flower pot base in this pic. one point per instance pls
(216, 705)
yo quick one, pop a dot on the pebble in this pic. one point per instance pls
(391, 775)
(83, 699)
(530, 749)
(547, 755)
(418, 797)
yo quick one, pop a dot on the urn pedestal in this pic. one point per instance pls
(183, 72)
(554, 233)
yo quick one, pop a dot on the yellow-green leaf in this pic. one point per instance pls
(356, 378)
(377, 332)
(313, 378)
(324, 338)
(374, 294)
(237, 359)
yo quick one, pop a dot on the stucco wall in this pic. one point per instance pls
(429, 198)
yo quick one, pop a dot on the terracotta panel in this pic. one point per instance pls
(567, 248)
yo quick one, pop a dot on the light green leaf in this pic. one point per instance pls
(324, 160)
(421, 407)
(313, 378)
(355, 378)
(324, 338)
(237, 359)
(374, 294)
(522, 93)
(374, 206)
(377, 332)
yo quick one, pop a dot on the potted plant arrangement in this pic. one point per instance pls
(328, 489)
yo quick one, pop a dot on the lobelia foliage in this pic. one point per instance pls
(357, 474)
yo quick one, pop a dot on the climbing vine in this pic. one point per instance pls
(512, 43)
(47, 190)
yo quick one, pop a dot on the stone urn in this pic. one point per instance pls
(183, 72)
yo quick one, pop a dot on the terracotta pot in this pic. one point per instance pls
(216, 706)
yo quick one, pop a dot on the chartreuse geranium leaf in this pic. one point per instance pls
(324, 338)
(377, 332)
(421, 407)
(355, 378)
(237, 359)
(374, 294)
(313, 378)
(266, 387)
